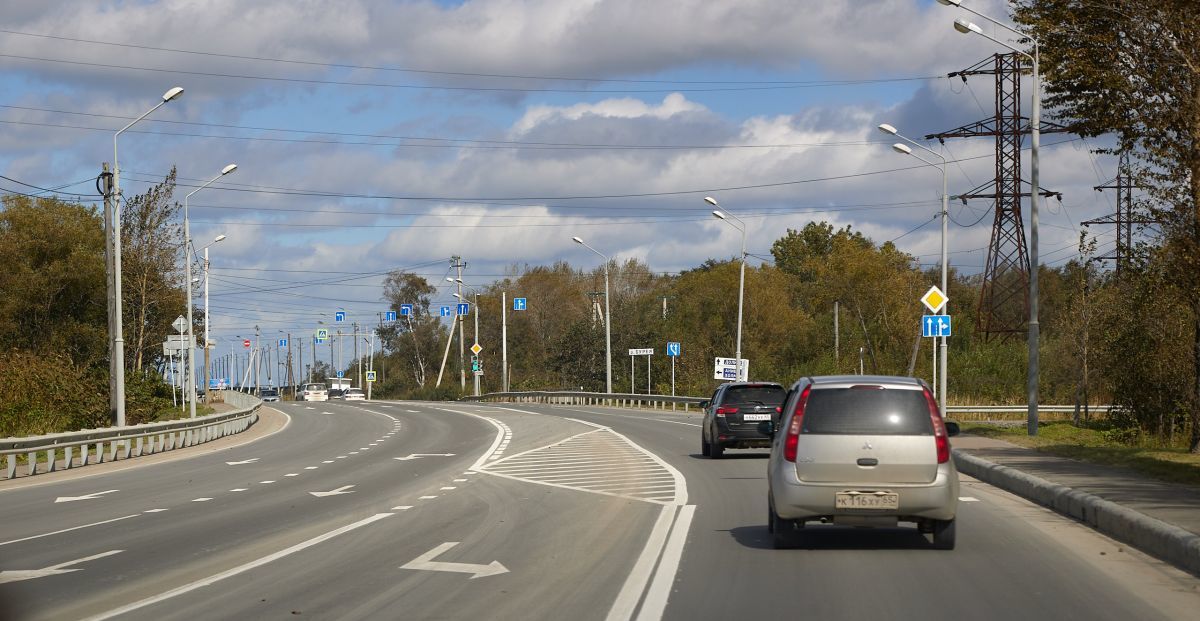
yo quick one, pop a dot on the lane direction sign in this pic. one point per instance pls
(426, 562)
(935, 325)
(673, 349)
(934, 299)
(406, 310)
(519, 304)
(389, 316)
(283, 342)
(446, 311)
(464, 309)
(339, 316)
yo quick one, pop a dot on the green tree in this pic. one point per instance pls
(413, 340)
(151, 283)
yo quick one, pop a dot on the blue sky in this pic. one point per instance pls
(756, 95)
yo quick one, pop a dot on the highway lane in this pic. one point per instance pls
(1013, 559)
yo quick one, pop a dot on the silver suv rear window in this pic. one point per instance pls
(867, 411)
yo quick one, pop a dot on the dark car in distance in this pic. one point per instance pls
(732, 415)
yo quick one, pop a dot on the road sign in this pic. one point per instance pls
(180, 324)
(322, 334)
(389, 316)
(283, 342)
(518, 304)
(935, 325)
(341, 373)
(464, 309)
(339, 316)
(649, 351)
(446, 311)
(727, 369)
(406, 310)
(174, 343)
(673, 349)
(475, 349)
(245, 342)
(934, 299)
(370, 376)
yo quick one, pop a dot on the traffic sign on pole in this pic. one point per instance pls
(406, 310)
(934, 299)
(648, 351)
(476, 348)
(389, 316)
(322, 335)
(339, 316)
(341, 373)
(935, 325)
(673, 349)
(464, 309)
(518, 304)
(446, 311)
(283, 342)
(245, 342)
(180, 324)
(727, 369)
(370, 376)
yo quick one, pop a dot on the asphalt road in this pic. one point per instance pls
(453, 511)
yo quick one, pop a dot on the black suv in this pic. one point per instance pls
(731, 417)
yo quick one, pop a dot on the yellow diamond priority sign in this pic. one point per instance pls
(475, 349)
(934, 299)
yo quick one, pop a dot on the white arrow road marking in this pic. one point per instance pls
(53, 570)
(244, 461)
(425, 561)
(968, 499)
(91, 496)
(420, 455)
(335, 492)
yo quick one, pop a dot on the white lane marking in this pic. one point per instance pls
(266, 482)
(238, 489)
(626, 602)
(340, 457)
(414, 411)
(201, 499)
(92, 496)
(53, 570)
(329, 413)
(968, 499)
(449, 487)
(67, 530)
(648, 418)
(426, 562)
(352, 453)
(402, 508)
(334, 492)
(292, 474)
(244, 461)
(427, 497)
(203, 582)
(460, 480)
(311, 467)
(664, 578)
(420, 455)
(154, 510)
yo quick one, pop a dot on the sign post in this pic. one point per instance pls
(935, 300)
(728, 369)
(673, 351)
(647, 352)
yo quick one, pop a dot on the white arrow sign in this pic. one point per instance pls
(335, 492)
(426, 562)
(53, 570)
(92, 496)
(420, 455)
(244, 461)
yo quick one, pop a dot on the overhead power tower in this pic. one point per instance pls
(1124, 217)
(1004, 297)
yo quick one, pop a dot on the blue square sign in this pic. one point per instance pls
(283, 342)
(339, 316)
(446, 311)
(389, 316)
(935, 325)
(406, 310)
(518, 304)
(464, 308)
(673, 349)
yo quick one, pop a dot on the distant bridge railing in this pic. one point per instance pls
(566, 397)
(128, 441)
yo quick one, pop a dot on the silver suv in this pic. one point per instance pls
(863, 451)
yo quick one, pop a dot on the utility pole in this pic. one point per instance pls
(106, 180)
(356, 354)
(504, 341)
(462, 350)
(836, 334)
(382, 351)
(258, 360)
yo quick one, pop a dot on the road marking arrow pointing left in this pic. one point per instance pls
(426, 562)
(334, 492)
(91, 496)
(53, 570)
(420, 455)
(244, 461)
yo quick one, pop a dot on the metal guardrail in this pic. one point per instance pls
(128, 441)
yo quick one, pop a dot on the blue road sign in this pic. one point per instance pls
(673, 349)
(323, 334)
(339, 316)
(518, 304)
(446, 311)
(370, 376)
(341, 373)
(464, 308)
(406, 310)
(389, 316)
(935, 325)
(283, 342)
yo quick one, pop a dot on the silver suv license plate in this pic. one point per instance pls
(866, 500)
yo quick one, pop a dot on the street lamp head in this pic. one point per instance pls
(902, 148)
(888, 129)
(172, 94)
(950, 2)
(718, 214)
(711, 201)
(456, 295)
(228, 169)
(574, 239)
(966, 27)
(219, 238)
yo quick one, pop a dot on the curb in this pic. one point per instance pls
(1168, 542)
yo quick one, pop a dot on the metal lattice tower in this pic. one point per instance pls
(1123, 217)
(1004, 297)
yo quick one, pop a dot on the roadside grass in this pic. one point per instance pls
(1100, 444)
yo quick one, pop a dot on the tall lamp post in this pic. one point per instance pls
(607, 317)
(741, 226)
(207, 353)
(904, 149)
(1035, 122)
(475, 293)
(116, 358)
(187, 263)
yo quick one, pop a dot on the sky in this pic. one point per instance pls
(373, 135)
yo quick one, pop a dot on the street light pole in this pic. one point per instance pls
(1035, 122)
(742, 376)
(899, 148)
(116, 349)
(607, 317)
(187, 263)
(207, 354)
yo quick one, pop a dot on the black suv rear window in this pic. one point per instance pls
(867, 411)
(764, 395)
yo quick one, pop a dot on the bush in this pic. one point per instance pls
(48, 394)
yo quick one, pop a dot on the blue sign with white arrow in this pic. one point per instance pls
(339, 316)
(283, 342)
(446, 311)
(673, 349)
(389, 316)
(341, 373)
(518, 304)
(935, 325)
(464, 308)
(406, 310)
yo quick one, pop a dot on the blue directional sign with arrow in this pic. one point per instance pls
(673, 349)
(339, 316)
(406, 310)
(464, 308)
(935, 325)
(446, 311)
(283, 342)
(389, 316)
(518, 304)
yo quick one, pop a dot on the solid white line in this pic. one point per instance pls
(154, 510)
(664, 578)
(500, 430)
(201, 499)
(238, 489)
(67, 530)
(203, 582)
(622, 609)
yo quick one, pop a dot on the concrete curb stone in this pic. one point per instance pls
(1173, 544)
